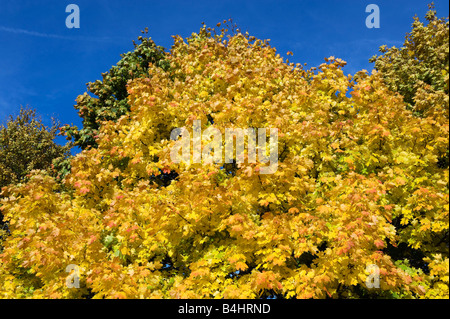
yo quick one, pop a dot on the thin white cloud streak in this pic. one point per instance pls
(33, 33)
(54, 36)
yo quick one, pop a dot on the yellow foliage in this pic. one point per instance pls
(356, 178)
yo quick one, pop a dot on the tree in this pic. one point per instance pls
(26, 144)
(356, 174)
(110, 101)
(419, 70)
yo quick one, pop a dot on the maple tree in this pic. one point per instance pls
(356, 177)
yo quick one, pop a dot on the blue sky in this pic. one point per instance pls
(45, 65)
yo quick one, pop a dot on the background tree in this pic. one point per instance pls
(27, 144)
(110, 93)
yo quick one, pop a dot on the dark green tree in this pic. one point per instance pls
(110, 94)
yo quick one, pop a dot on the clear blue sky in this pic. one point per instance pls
(45, 65)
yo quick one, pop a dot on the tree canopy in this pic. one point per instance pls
(358, 184)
